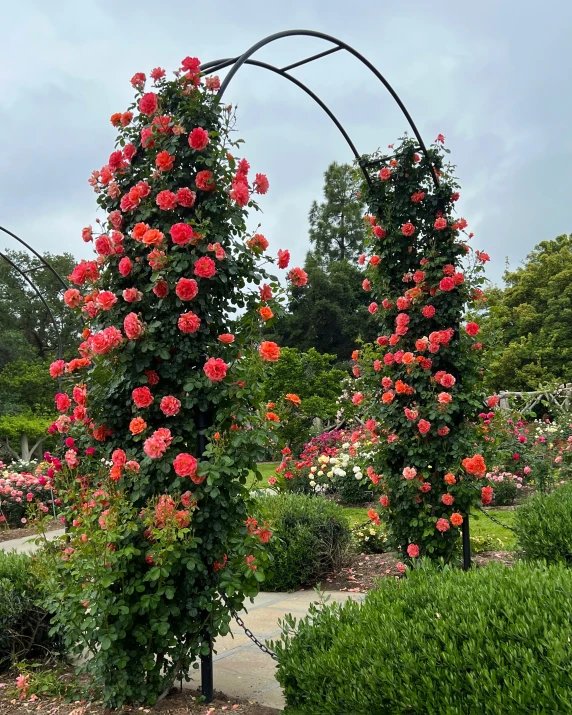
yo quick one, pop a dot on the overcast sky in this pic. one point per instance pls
(493, 76)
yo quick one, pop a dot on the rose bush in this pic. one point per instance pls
(421, 379)
(163, 413)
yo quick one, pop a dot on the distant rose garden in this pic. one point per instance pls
(193, 463)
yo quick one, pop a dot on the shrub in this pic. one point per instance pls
(506, 487)
(370, 539)
(311, 536)
(493, 641)
(24, 626)
(544, 526)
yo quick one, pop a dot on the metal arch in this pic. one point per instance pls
(221, 64)
(46, 263)
(41, 297)
(243, 59)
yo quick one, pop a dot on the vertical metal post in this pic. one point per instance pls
(207, 679)
(466, 544)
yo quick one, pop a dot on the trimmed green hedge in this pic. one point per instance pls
(492, 641)
(311, 537)
(544, 526)
(24, 626)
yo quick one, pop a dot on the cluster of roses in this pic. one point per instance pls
(19, 489)
(413, 383)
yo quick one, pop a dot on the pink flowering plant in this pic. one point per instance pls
(20, 490)
(420, 381)
(163, 368)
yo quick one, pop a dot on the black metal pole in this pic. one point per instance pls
(466, 544)
(207, 675)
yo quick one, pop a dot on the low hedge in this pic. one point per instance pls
(491, 641)
(24, 626)
(311, 537)
(544, 526)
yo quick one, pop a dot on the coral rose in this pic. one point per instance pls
(446, 283)
(408, 229)
(293, 398)
(423, 426)
(442, 525)
(132, 326)
(182, 233)
(164, 161)
(413, 551)
(265, 313)
(205, 181)
(185, 465)
(456, 519)
(187, 288)
(215, 369)
(170, 405)
(186, 197)
(472, 329)
(269, 351)
(166, 200)
(198, 138)
(283, 258)
(189, 322)
(428, 311)
(137, 425)
(148, 103)
(125, 266)
(298, 277)
(226, 338)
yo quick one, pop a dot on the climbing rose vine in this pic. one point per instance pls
(419, 383)
(162, 415)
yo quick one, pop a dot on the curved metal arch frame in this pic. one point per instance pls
(30, 282)
(237, 62)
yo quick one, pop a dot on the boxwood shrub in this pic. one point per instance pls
(544, 526)
(491, 641)
(311, 538)
(24, 626)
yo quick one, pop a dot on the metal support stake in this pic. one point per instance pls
(466, 544)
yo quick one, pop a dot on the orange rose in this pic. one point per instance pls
(152, 237)
(269, 351)
(137, 425)
(272, 417)
(456, 519)
(293, 398)
(266, 313)
(139, 230)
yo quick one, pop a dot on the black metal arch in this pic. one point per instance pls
(43, 264)
(236, 63)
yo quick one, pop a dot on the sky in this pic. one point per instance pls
(493, 76)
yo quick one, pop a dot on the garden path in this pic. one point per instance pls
(240, 669)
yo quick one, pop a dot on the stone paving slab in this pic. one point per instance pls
(240, 668)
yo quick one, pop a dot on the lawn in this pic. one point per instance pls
(267, 470)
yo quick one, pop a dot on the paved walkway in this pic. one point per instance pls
(240, 668)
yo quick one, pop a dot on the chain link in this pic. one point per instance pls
(246, 630)
(496, 521)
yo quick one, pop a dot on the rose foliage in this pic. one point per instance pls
(163, 416)
(420, 380)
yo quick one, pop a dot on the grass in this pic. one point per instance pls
(267, 470)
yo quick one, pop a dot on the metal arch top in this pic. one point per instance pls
(245, 58)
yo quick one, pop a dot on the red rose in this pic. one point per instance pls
(440, 224)
(283, 258)
(148, 103)
(187, 288)
(125, 266)
(215, 369)
(472, 329)
(428, 311)
(63, 402)
(185, 465)
(240, 193)
(132, 326)
(205, 267)
(261, 184)
(446, 283)
(423, 426)
(182, 233)
(298, 277)
(161, 289)
(408, 229)
(385, 174)
(142, 396)
(198, 138)
(106, 300)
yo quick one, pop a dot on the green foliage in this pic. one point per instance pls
(311, 536)
(26, 329)
(312, 377)
(544, 526)
(370, 539)
(493, 641)
(24, 626)
(337, 230)
(528, 322)
(330, 313)
(420, 381)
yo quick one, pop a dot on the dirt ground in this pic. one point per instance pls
(178, 703)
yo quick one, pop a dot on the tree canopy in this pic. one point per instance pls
(529, 322)
(337, 230)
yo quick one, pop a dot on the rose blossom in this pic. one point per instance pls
(269, 351)
(215, 369)
(170, 405)
(205, 267)
(187, 288)
(198, 138)
(189, 322)
(142, 396)
(185, 465)
(442, 525)
(413, 551)
(132, 326)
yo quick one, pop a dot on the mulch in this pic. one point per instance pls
(178, 703)
(21, 532)
(362, 571)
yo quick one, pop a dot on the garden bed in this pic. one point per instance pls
(19, 532)
(363, 570)
(179, 703)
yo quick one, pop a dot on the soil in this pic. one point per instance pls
(362, 571)
(21, 532)
(178, 703)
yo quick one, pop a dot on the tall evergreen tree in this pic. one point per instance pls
(337, 228)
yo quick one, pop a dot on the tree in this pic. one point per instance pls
(337, 230)
(330, 314)
(26, 328)
(529, 322)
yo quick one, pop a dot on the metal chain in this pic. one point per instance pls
(247, 631)
(496, 521)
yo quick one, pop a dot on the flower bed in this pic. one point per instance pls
(20, 490)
